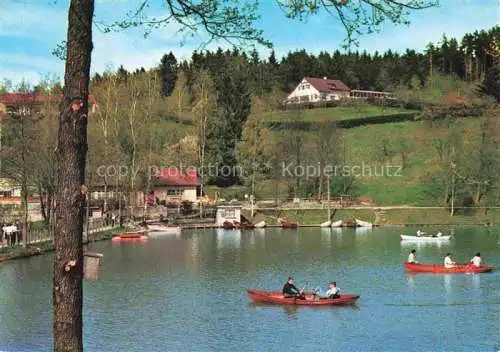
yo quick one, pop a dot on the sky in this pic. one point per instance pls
(31, 29)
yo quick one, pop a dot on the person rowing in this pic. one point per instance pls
(290, 291)
(411, 257)
(476, 260)
(448, 262)
(333, 290)
(421, 233)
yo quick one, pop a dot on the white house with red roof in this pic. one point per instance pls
(175, 185)
(312, 89)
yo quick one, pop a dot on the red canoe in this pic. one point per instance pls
(277, 298)
(440, 269)
(130, 236)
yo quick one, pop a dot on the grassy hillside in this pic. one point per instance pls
(380, 149)
(332, 114)
(365, 145)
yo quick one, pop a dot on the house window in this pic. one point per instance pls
(174, 192)
(229, 213)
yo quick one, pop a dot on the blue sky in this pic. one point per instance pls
(30, 29)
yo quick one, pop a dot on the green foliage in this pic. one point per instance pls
(491, 83)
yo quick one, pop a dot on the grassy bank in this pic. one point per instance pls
(17, 252)
(390, 217)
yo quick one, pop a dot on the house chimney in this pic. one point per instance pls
(325, 78)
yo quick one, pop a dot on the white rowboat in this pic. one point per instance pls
(158, 230)
(260, 225)
(361, 223)
(326, 224)
(424, 238)
(337, 223)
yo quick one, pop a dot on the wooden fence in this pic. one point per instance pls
(46, 235)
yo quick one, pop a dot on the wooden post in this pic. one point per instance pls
(251, 206)
(328, 195)
(91, 265)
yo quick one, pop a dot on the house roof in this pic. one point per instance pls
(17, 98)
(172, 176)
(325, 85)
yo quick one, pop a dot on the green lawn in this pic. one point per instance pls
(332, 114)
(383, 182)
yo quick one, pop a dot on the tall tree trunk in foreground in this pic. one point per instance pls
(72, 149)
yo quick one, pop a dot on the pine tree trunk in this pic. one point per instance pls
(72, 149)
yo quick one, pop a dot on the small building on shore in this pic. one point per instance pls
(229, 213)
(173, 185)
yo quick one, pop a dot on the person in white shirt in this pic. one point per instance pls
(476, 260)
(419, 233)
(439, 234)
(411, 257)
(333, 291)
(448, 262)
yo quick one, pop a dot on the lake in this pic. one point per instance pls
(189, 294)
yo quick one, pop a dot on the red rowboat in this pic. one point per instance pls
(440, 269)
(277, 298)
(130, 236)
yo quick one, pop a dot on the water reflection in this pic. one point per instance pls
(447, 283)
(291, 311)
(228, 238)
(411, 281)
(363, 230)
(476, 281)
(420, 245)
(326, 236)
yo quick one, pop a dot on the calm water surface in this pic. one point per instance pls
(189, 294)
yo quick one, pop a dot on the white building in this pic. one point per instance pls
(175, 185)
(229, 213)
(312, 89)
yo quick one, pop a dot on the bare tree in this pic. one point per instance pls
(204, 111)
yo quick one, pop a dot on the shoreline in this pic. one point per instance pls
(40, 248)
(18, 252)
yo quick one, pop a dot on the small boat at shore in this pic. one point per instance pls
(311, 299)
(158, 229)
(326, 224)
(434, 238)
(287, 224)
(440, 269)
(361, 223)
(130, 236)
(260, 225)
(337, 223)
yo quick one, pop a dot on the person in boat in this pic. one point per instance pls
(289, 289)
(448, 262)
(439, 234)
(411, 257)
(333, 291)
(420, 233)
(476, 260)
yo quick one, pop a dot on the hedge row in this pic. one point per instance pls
(393, 103)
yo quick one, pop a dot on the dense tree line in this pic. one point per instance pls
(468, 58)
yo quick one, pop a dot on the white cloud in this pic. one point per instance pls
(24, 19)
